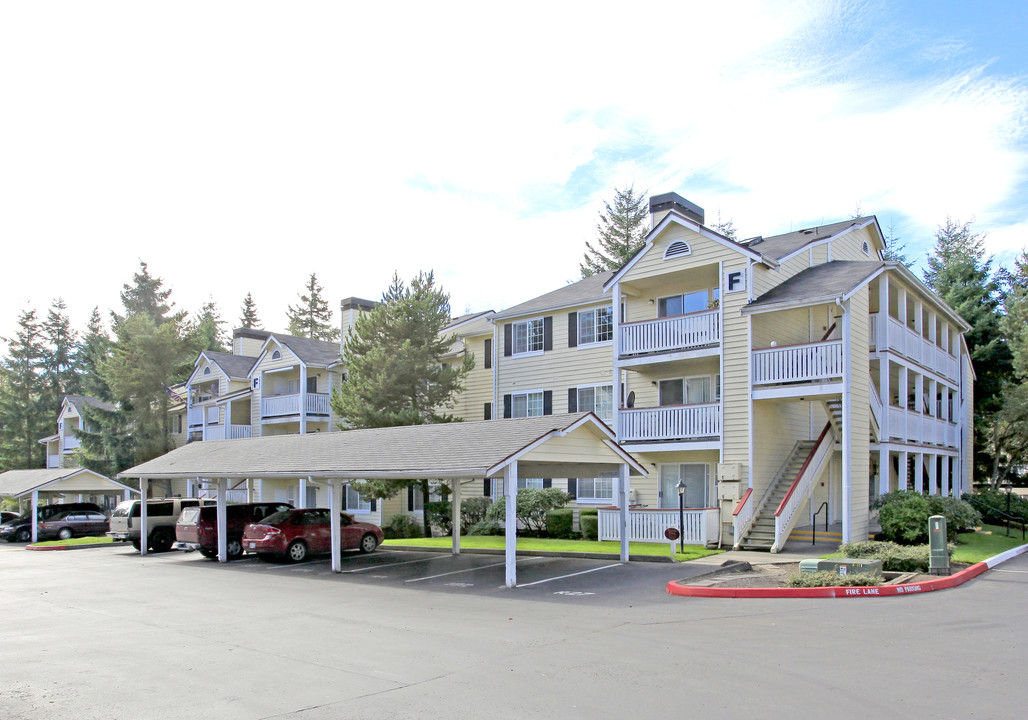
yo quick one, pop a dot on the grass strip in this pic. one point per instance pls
(496, 542)
(74, 541)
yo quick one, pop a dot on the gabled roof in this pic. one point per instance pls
(814, 285)
(778, 246)
(448, 450)
(583, 292)
(462, 319)
(236, 367)
(79, 400)
(20, 482)
(319, 353)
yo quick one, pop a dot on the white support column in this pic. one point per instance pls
(883, 382)
(847, 421)
(901, 306)
(945, 474)
(882, 331)
(303, 399)
(615, 311)
(301, 500)
(455, 514)
(510, 491)
(884, 470)
(904, 467)
(335, 508)
(260, 490)
(144, 524)
(933, 484)
(623, 488)
(35, 515)
(221, 513)
(249, 490)
(919, 472)
(126, 494)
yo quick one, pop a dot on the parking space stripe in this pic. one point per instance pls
(561, 577)
(405, 562)
(480, 567)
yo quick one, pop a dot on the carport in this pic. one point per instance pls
(575, 445)
(19, 483)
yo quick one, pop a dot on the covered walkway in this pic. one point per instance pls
(576, 445)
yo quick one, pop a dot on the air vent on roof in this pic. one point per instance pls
(677, 249)
(808, 232)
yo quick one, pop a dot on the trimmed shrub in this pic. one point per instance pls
(997, 501)
(532, 506)
(589, 523)
(486, 527)
(827, 578)
(402, 526)
(960, 515)
(560, 523)
(472, 511)
(904, 516)
(895, 558)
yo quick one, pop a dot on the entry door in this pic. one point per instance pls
(695, 476)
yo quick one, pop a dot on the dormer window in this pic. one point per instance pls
(276, 355)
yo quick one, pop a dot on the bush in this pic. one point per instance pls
(827, 578)
(904, 516)
(560, 523)
(997, 501)
(472, 511)
(589, 524)
(532, 506)
(895, 558)
(402, 526)
(486, 527)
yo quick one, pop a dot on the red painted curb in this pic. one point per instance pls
(47, 547)
(943, 583)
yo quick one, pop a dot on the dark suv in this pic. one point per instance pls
(197, 527)
(20, 529)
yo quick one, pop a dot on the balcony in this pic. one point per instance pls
(71, 444)
(285, 405)
(923, 429)
(681, 332)
(679, 422)
(888, 333)
(231, 432)
(812, 362)
(194, 417)
(53, 461)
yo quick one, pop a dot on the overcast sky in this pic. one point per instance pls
(239, 146)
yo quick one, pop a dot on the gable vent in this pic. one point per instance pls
(677, 249)
(867, 250)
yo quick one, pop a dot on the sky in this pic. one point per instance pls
(238, 147)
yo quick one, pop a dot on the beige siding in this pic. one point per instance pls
(478, 387)
(735, 382)
(850, 246)
(704, 252)
(648, 488)
(777, 426)
(860, 382)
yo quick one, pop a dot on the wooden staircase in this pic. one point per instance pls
(761, 535)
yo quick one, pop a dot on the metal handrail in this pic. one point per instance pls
(978, 502)
(813, 529)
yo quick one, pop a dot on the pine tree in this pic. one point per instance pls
(960, 273)
(146, 296)
(93, 352)
(60, 365)
(1009, 429)
(894, 249)
(206, 333)
(24, 417)
(312, 318)
(621, 231)
(249, 317)
(395, 370)
(726, 228)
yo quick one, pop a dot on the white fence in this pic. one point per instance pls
(649, 525)
(681, 422)
(673, 333)
(795, 363)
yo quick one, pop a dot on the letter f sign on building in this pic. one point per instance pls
(735, 281)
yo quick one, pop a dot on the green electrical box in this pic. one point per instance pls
(842, 566)
(938, 562)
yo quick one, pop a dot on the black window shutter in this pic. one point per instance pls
(547, 402)
(374, 505)
(573, 329)
(548, 333)
(487, 488)
(547, 483)
(488, 353)
(572, 400)
(573, 488)
(410, 497)
(488, 414)
(508, 339)
(506, 406)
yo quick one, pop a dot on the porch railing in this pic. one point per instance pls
(195, 416)
(892, 334)
(279, 405)
(801, 487)
(682, 422)
(742, 516)
(237, 432)
(680, 332)
(646, 525)
(913, 426)
(797, 363)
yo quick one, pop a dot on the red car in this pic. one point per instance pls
(295, 534)
(197, 527)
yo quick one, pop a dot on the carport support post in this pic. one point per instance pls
(510, 491)
(35, 515)
(335, 501)
(144, 524)
(623, 514)
(455, 515)
(222, 518)
(301, 500)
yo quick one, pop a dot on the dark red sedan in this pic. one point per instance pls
(295, 534)
(77, 523)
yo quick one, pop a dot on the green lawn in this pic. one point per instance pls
(74, 541)
(496, 542)
(991, 540)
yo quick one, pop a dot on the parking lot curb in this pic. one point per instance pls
(44, 548)
(681, 589)
(534, 553)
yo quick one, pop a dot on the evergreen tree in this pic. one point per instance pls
(312, 318)
(24, 416)
(249, 317)
(960, 273)
(60, 365)
(93, 352)
(146, 296)
(1010, 425)
(894, 249)
(621, 231)
(726, 228)
(395, 369)
(206, 333)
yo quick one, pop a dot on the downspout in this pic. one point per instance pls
(847, 420)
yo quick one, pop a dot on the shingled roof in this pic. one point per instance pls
(821, 283)
(235, 366)
(79, 400)
(312, 352)
(580, 293)
(778, 246)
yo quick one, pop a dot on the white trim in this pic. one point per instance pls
(513, 337)
(526, 393)
(578, 327)
(828, 239)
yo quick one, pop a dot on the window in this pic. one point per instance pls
(687, 303)
(597, 399)
(529, 404)
(528, 336)
(596, 489)
(695, 476)
(206, 371)
(595, 326)
(276, 355)
(689, 391)
(523, 484)
(312, 383)
(354, 502)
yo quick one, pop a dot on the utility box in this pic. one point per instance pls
(938, 561)
(842, 566)
(729, 472)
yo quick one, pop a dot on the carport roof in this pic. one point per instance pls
(449, 450)
(15, 483)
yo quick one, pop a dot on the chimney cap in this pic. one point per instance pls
(674, 202)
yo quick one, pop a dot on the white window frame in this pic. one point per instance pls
(593, 499)
(673, 503)
(713, 298)
(594, 387)
(361, 506)
(714, 381)
(496, 489)
(594, 313)
(527, 324)
(525, 394)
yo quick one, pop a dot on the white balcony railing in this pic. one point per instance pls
(71, 444)
(214, 432)
(798, 363)
(195, 417)
(680, 332)
(894, 336)
(53, 461)
(916, 427)
(237, 432)
(649, 525)
(680, 422)
(281, 405)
